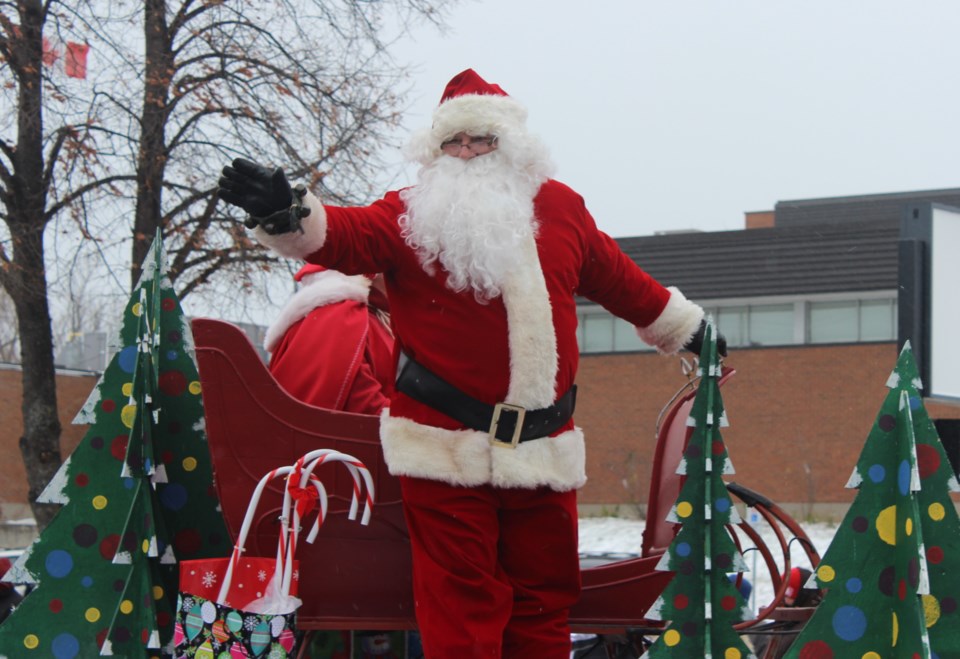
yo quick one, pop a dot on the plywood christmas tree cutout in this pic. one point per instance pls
(701, 603)
(892, 571)
(137, 496)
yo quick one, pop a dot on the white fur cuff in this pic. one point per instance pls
(296, 245)
(675, 325)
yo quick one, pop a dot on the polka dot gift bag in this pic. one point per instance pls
(245, 606)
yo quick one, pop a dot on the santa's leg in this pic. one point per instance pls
(539, 554)
(463, 600)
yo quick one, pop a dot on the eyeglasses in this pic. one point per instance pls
(476, 144)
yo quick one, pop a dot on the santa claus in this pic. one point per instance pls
(482, 259)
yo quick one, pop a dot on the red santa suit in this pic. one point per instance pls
(493, 530)
(329, 347)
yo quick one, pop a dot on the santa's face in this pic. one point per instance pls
(472, 215)
(466, 146)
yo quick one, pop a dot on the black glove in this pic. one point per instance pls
(264, 193)
(696, 342)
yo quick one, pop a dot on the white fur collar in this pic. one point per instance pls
(532, 335)
(318, 289)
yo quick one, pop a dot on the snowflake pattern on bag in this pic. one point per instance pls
(207, 630)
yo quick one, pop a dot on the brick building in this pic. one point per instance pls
(807, 297)
(73, 388)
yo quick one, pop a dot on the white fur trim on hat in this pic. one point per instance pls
(317, 289)
(675, 325)
(296, 245)
(477, 114)
(466, 458)
(483, 114)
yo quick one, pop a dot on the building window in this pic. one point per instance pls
(785, 323)
(770, 325)
(625, 337)
(602, 332)
(597, 333)
(878, 320)
(852, 321)
(833, 322)
(756, 325)
(732, 323)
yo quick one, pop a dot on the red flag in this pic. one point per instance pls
(75, 61)
(50, 52)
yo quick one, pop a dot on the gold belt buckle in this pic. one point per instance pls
(517, 429)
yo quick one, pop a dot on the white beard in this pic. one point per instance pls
(472, 216)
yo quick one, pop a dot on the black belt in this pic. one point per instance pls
(500, 420)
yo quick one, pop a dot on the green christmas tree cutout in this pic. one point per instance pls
(137, 496)
(700, 602)
(892, 571)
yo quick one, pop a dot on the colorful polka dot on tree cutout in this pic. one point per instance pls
(928, 460)
(887, 423)
(118, 447)
(816, 650)
(172, 383)
(127, 359)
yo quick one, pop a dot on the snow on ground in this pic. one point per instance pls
(613, 535)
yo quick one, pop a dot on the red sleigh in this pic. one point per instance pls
(357, 577)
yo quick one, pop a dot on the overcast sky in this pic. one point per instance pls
(684, 115)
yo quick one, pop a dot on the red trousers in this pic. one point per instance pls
(495, 571)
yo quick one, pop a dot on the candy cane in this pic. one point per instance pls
(357, 470)
(240, 545)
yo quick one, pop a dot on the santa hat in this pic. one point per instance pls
(795, 582)
(308, 269)
(312, 268)
(472, 105)
(320, 286)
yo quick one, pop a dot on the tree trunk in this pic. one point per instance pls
(152, 157)
(27, 282)
(40, 443)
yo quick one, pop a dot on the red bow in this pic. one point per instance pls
(305, 498)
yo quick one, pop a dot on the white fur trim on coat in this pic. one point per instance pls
(318, 289)
(296, 245)
(675, 325)
(532, 335)
(466, 458)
